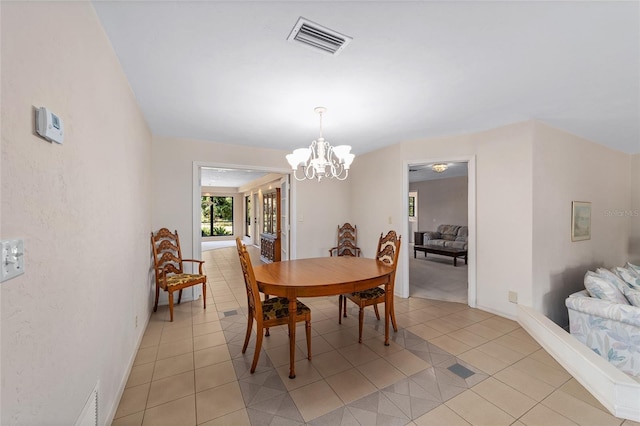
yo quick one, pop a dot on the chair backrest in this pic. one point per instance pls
(347, 240)
(239, 246)
(253, 293)
(167, 257)
(388, 252)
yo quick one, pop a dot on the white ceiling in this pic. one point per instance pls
(225, 72)
(219, 177)
(422, 172)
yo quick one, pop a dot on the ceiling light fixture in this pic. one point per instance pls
(440, 167)
(321, 159)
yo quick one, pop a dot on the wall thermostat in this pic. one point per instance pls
(49, 125)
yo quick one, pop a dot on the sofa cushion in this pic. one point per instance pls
(633, 296)
(628, 276)
(448, 232)
(461, 245)
(600, 288)
(463, 234)
(634, 268)
(430, 235)
(612, 278)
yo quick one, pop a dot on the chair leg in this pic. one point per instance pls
(375, 309)
(307, 326)
(266, 330)
(256, 355)
(179, 296)
(340, 297)
(204, 295)
(155, 307)
(392, 311)
(248, 336)
(345, 306)
(171, 304)
(360, 323)
(393, 321)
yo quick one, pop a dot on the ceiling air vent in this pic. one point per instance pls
(319, 37)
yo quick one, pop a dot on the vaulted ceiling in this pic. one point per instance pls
(225, 71)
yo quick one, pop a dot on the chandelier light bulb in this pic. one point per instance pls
(321, 159)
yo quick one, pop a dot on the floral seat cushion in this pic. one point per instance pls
(372, 293)
(278, 307)
(177, 279)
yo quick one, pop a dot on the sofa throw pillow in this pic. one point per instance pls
(633, 296)
(599, 288)
(612, 278)
(634, 268)
(628, 276)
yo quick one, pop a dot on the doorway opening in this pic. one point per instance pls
(440, 228)
(236, 192)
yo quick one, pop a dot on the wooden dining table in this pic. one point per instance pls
(322, 276)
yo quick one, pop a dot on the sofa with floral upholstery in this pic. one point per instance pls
(606, 316)
(450, 236)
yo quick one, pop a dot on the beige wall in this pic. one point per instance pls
(376, 197)
(1, 233)
(503, 206)
(441, 201)
(83, 209)
(526, 177)
(504, 217)
(320, 206)
(173, 161)
(568, 168)
(634, 219)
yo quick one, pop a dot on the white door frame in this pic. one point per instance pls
(471, 215)
(255, 232)
(413, 194)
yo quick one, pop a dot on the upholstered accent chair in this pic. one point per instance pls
(347, 241)
(169, 270)
(387, 252)
(269, 313)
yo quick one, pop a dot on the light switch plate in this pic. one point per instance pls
(12, 260)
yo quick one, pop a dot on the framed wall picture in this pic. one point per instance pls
(580, 220)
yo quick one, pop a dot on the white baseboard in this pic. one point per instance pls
(617, 391)
(111, 412)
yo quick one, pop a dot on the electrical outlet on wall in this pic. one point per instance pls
(513, 297)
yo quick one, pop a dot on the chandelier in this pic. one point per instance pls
(321, 159)
(440, 167)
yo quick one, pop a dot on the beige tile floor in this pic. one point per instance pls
(191, 371)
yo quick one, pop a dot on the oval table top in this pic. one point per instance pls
(321, 276)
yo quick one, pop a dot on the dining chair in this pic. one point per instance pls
(387, 252)
(169, 270)
(347, 244)
(239, 245)
(268, 313)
